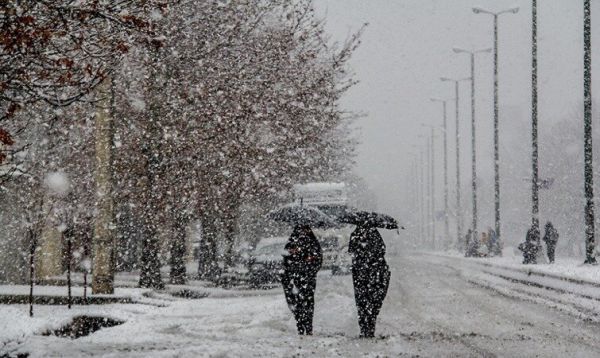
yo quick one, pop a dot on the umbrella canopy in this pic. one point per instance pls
(295, 214)
(366, 218)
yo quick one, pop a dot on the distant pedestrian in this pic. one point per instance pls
(484, 248)
(495, 244)
(299, 278)
(550, 238)
(531, 246)
(370, 275)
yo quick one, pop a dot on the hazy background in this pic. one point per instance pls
(408, 46)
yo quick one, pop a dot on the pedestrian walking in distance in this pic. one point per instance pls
(550, 238)
(495, 243)
(299, 278)
(370, 275)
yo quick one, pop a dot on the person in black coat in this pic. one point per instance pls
(550, 238)
(370, 275)
(299, 278)
(531, 245)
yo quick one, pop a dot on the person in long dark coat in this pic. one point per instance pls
(299, 278)
(370, 275)
(550, 238)
(531, 245)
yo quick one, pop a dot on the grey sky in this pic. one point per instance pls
(408, 46)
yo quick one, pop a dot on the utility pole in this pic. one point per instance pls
(496, 140)
(422, 196)
(458, 199)
(415, 195)
(590, 241)
(496, 113)
(432, 181)
(473, 136)
(535, 221)
(432, 175)
(428, 211)
(446, 224)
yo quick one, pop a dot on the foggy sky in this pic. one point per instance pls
(408, 46)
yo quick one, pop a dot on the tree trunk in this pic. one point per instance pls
(178, 252)
(104, 241)
(32, 247)
(207, 262)
(150, 262)
(230, 241)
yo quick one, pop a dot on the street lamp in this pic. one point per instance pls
(513, 10)
(473, 149)
(414, 194)
(458, 205)
(535, 221)
(430, 191)
(446, 225)
(423, 209)
(432, 182)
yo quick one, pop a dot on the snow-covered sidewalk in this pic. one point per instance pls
(567, 284)
(436, 306)
(235, 323)
(564, 267)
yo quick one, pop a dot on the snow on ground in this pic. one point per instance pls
(432, 310)
(568, 267)
(249, 323)
(45, 290)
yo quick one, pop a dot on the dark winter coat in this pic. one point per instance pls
(370, 276)
(533, 236)
(551, 235)
(299, 277)
(304, 253)
(367, 248)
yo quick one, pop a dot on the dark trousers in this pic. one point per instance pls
(551, 249)
(299, 290)
(370, 289)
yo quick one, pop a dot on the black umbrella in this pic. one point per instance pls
(296, 214)
(366, 218)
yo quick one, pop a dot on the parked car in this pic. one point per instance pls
(342, 262)
(330, 247)
(266, 262)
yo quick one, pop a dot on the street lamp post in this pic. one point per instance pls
(446, 224)
(432, 182)
(496, 146)
(458, 205)
(535, 221)
(473, 147)
(413, 194)
(432, 187)
(424, 228)
(428, 206)
(416, 193)
(590, 241)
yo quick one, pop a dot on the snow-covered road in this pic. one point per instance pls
(431, 310)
